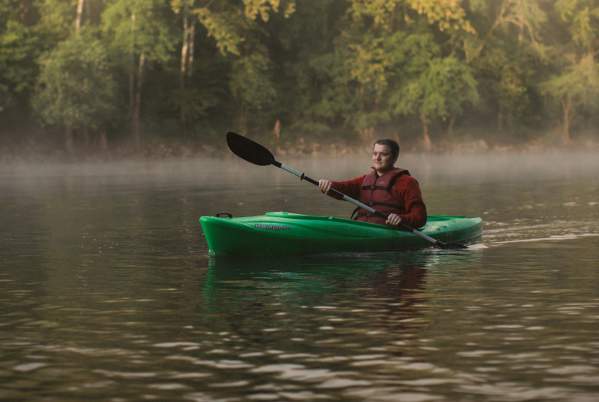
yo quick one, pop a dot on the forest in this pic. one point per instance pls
(170, 77)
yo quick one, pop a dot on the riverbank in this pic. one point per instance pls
(300, 147)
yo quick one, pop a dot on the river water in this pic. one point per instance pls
(107, 292)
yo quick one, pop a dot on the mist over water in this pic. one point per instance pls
(467, 166)
(503, 188)
(107, 292)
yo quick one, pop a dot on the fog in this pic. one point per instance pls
(503, 166)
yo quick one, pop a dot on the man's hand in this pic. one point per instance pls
(324, 185)
(393, 219)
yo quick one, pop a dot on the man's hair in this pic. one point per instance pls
(393, 146)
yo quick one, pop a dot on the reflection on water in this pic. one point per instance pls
(106, 293)
(388, 284)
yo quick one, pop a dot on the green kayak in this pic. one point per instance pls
(285, 233)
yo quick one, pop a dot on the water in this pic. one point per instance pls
(107, 293)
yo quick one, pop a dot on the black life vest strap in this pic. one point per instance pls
(386, 204)
(354, 214)
(394, 179)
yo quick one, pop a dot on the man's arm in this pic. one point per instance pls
(415, 215)
(348, 187)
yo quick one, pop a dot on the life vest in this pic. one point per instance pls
(376, 192)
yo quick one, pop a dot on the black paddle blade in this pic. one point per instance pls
(249, 150)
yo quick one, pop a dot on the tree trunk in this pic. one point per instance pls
(135, 118)
(509, 122)
(184, 64)
(79, 18)
(450, 125)
(86, 141)
(367, 134)
(68, 140)
(242, 119)
(426, 139)
(25, 8)
(500, 120)
(69, 143)
(187, 46)
(276, 132)
(132, 71)
(184, 48)
(183, 70)
(192, 42)
(103, 141)
(131, 84)
(567, 109)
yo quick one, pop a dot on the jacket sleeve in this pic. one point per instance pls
(349, 187)
(409, 191)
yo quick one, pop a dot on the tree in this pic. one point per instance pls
(372, 50)
(19, 47)
(394, 49)
(79, 16)
(507, 53)
(140, 33)
(219, 21)
(238, 33)
(251, 86)
(519, 19)
(304, 67)
(575, 85)
(575, 88)
(439, 92)
(75, 89)
(231, 28)
(57, 20)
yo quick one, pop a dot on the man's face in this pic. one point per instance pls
(382, 159)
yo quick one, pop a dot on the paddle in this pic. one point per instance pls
(257, 154)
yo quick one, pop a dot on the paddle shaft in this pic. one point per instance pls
(357, 203)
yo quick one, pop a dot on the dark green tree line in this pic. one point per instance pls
(124, 71)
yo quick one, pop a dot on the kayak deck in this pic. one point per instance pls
(285, 233)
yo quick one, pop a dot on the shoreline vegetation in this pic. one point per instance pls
(117, 79)
(301, 147)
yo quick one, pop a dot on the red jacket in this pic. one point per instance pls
(403, 198)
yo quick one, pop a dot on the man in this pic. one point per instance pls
(387, 189)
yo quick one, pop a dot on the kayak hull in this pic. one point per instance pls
(285, 234)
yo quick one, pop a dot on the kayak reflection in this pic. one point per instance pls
(387, 286)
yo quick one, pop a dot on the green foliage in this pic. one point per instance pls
(448, 86)
(506, 79)
(75, 88)
(140, 26)
(579, 82)
(574, 82)
(206, 94)
(326, 67)
(440, 91)
(449, 15)
(228, 24)
(380, 12)
(582, 17)
(19, 47)
(251, 82)
(17, 63)
(263, 8)
(57, 19)
(224, 26)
